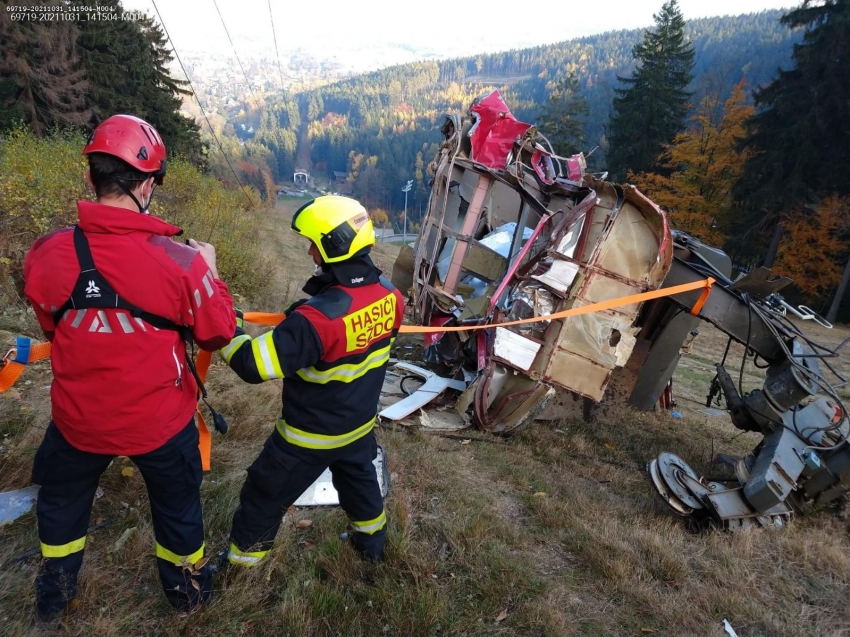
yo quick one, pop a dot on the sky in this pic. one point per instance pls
(385, 28)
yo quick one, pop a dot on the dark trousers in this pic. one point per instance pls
(69, 478)
(283, 471)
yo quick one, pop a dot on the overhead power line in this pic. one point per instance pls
(203, 112)
(244, 74)
(277, 53)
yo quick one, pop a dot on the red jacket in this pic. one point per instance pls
(120, 386)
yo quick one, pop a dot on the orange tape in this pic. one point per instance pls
(575, 311)
(202, 365)
(9, 374)
(267, 318)
(11, 371)
(697, 308)
(264, 318)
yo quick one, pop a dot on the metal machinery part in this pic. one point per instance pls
(709, 503)
(802, 463)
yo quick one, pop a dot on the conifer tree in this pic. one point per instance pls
(650, 110)
(563, 118)
(799, 137)
(126, 64)
(41, 80)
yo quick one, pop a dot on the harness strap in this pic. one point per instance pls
(92, 290)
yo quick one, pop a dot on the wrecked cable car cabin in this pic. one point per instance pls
(514, 231)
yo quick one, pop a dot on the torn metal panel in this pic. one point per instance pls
(400, 384)
(506, 401)
(485, 263)
(559, 277)
(531, 300)
(323, 493)
(494, 131)
(402, 277)
(515, 350)
(433, 386)
(592, 377)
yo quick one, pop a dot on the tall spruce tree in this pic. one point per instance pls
(126, 63)
(564, 117)
(41, 81)
(650, 110)
(799, 137)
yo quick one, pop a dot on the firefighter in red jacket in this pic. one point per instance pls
(333, 352)
(117, 297)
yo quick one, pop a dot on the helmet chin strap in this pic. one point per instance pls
(142, 209)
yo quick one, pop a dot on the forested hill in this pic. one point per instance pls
(388, 115)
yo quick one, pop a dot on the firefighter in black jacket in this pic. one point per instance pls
(333, 351)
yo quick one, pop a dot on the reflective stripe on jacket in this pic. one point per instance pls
(333, 352)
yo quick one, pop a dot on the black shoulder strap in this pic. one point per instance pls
(92, 290)
(81, 247)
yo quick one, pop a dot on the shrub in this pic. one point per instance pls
(43, 178)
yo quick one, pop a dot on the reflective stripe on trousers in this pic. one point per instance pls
(310, 440)
(245, 558)
(371, 526)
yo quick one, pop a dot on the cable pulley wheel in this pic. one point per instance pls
(672, 469)
(664, 491)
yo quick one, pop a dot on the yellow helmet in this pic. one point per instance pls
(339, 226)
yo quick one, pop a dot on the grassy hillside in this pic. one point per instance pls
(555, 533)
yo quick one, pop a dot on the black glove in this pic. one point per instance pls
(294, 305)
(239, 322)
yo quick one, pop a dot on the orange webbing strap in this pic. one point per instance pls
(577, 311)
(697, 308)
(268, 318)
(12, 370)
(263, 318)
(202, 364)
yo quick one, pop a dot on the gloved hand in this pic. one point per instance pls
(239, 322)
(294, 305)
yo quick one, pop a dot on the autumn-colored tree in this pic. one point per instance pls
(704, 164)
(811, 245)
(380, 218)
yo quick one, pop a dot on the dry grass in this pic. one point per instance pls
(557, 532)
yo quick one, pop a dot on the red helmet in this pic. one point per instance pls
(131, 139)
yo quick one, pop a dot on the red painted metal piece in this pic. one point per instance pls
(508, 278)
(432, 338)
(494, 132)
